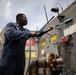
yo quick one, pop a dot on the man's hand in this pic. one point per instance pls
(50, 28)
(34, 34)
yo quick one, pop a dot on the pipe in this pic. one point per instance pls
(48, 62)
(36, 64)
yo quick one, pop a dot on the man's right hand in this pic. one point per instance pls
(34, 34)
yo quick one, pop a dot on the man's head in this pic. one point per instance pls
(21, 19)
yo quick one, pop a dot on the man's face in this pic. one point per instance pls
(23, 20)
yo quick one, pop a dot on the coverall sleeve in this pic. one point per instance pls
(11, 33)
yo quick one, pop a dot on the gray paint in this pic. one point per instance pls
(67, 52)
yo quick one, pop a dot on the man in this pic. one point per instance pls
(13, 56)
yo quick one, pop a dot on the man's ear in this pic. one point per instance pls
(19, 20)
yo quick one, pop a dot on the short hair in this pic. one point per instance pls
(18, 16)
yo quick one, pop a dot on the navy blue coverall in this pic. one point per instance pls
(13, 56)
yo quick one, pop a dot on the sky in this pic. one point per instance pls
(33, 9)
